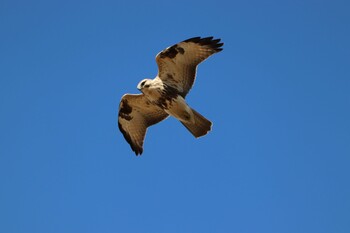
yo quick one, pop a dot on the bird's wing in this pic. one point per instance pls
(177, 64)
(136, 113)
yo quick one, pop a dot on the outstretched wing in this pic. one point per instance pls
(136, 113)
(177, 64)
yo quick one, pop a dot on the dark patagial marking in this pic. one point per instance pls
(125, 110)
(172, 51)
(180, 50)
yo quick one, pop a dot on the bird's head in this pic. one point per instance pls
(144, 84)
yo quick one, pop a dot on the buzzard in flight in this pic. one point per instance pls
(165, 94)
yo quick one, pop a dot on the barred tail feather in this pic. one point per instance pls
(201, 126)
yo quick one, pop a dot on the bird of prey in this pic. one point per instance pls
(165, 94)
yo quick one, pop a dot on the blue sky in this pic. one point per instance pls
(277, 159)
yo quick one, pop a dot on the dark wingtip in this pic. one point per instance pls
(137, 149)
(208, 41)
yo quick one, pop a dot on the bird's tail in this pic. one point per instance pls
(200, 127)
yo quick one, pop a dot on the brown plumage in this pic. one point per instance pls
(165, 94)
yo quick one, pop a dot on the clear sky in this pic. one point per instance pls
(276, 161)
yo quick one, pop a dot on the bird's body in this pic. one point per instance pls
(175, 105)
(165, 94)
(179, 109)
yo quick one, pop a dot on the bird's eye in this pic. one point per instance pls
(143, 83)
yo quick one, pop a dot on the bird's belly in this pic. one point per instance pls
(175, 105)
(179, 109)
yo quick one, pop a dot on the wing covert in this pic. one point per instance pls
(177, 64)
(136, 113)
